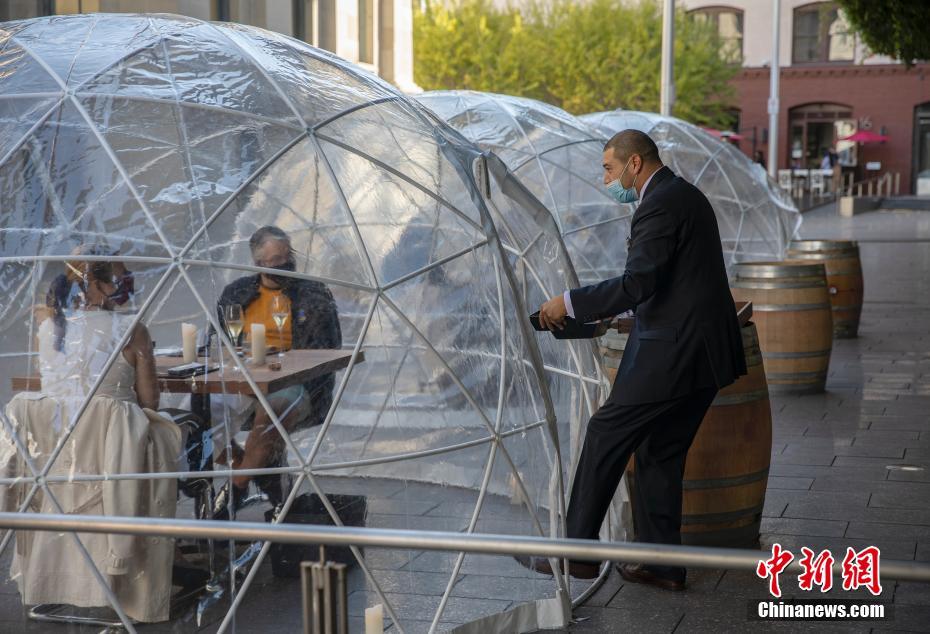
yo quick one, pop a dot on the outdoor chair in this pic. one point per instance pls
(784, 180)
(817, 184)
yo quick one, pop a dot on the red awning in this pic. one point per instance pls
(866, 136)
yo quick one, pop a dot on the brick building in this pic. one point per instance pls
(831, 85)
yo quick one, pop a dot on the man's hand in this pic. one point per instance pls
(552, 314)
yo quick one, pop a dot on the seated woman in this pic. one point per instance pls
(117, 433)
(64, 293)
(312, 322)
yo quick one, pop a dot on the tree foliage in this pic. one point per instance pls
(583, 57)
(898, 28)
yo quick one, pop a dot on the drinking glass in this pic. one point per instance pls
(279, 313)
(232, 313)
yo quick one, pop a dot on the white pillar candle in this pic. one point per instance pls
(374, 619)
(189, 342)
(258, 344)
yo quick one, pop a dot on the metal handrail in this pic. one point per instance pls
(506, 545)
(880, 183)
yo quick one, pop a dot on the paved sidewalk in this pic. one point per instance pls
(830, 484)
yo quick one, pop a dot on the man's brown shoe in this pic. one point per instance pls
(577, 569)
(636, 573)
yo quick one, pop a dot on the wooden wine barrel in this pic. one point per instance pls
(726, 472)
(844, 279)
(791, 309)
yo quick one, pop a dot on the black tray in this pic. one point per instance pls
(572, 329)
(308, 509)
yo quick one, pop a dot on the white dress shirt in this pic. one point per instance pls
(567, 294)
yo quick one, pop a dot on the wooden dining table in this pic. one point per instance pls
(297, 367)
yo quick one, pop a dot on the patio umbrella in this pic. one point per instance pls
(725, 135)
(865, 136)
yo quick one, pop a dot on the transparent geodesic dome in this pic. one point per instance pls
(558, 158)
(138, 156)
(756, 218)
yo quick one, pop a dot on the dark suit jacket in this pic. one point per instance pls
(686, 334)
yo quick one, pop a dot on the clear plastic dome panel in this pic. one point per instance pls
(558, 158)
(756, 220)
(142, 160)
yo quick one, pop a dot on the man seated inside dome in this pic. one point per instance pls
(310, 321)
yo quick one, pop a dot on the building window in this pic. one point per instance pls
(201, 9)
(813, 130)
(366, 31)
(248, 12)
(303, 21)
(728, 23)
(922, 148)
(23, 9)
(822, 34)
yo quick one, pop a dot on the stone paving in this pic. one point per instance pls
(830, 484)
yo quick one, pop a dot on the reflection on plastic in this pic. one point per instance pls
(161, 144)
(755, 217)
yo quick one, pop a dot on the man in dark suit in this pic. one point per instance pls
(685, 345)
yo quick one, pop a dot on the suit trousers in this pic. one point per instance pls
(660, 434)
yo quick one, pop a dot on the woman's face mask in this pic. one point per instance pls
(125, 288)
(620, 193)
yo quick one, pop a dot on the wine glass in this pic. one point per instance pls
(232, 313)
(279, 312)
(233, 316)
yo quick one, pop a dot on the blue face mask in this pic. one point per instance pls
(620, 193)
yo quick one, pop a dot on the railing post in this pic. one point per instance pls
(325, 598)
(897, 183)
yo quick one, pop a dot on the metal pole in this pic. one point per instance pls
(504, 545)
(667, 88)
(773, 91)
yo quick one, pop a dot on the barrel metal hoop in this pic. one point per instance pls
(823, 256)
(739, 399)
(812, 246)
(721, 518)
(721, 483)
(838, 309)
(806, 354)
(777, 286)
(781, 376)
(785, 308)
(778, 270)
